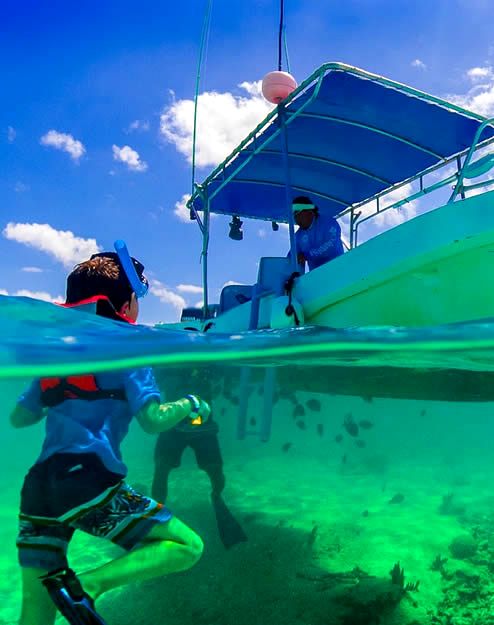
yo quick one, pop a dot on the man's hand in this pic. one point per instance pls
(203, 411)
(301, 258)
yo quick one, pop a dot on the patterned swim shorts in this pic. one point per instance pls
(70, 492)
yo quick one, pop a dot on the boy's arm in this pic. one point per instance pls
(29, 409)
(155, 417)
(22, 417)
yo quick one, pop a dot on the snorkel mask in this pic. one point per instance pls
(132, 268)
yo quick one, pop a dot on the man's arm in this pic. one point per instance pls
(155, 417)
(21, 417)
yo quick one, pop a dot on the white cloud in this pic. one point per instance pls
(20, 187)
(389, 218)
(11, 134)
(138, 125)
(199, 304)
(64, 142)
(480, 97)
(418, 64)
(189, 288)
(223, 120)
(32, 270)
(42, 295)
(62, 245)
(166, 295)
(130, 157)
(181, 211)
(477, 74)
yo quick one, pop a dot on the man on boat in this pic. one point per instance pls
(78, 482)
(318, 236)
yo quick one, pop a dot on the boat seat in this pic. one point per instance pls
(274, 271)
(234, 295)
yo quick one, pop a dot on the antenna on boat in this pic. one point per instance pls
(276, 86)
(280, 33)
(204, 38)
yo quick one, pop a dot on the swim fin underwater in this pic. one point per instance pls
(230, 531)
(68, 595)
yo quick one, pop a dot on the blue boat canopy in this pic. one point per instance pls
(350, 135)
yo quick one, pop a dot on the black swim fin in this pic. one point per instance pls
(230, 531)
(68, 595)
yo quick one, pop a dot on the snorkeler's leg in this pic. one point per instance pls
(168, 548)
(167, 456)
(209, 459)
(37, 606)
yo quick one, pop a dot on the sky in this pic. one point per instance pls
(96, 114)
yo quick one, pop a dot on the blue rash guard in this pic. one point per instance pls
(321, 242)
(94, 426)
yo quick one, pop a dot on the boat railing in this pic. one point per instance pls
(465, 169)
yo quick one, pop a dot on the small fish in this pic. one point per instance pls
(423, 412)
(398, 498)
(365, 513)
(344, 459)
(320, 429)
(314, 405)
(252, 421)
(235, 401)
(338, 438)
(223, 410)
(360, 443)
(260, 391)
(350, 426)
(368, 399)
(301, 425)
(285, 447)
(299, 411)
(365, 424)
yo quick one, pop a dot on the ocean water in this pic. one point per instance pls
(380, 452)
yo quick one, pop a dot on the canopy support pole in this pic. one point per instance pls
(288, 188)
(204, 227)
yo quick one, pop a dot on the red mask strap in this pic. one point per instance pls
(94, 300)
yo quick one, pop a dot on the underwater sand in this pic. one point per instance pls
(281, 575)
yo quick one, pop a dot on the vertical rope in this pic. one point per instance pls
(204, 36)
(286, 50)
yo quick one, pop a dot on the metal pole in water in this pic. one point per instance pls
(204, 256)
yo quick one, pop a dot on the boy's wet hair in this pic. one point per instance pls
(99, 276)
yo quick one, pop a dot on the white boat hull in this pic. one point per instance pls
(437, 268)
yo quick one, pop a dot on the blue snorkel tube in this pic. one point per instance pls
(139, 287)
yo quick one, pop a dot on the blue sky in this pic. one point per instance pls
(95, 119)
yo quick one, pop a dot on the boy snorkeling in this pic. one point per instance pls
(78, 481)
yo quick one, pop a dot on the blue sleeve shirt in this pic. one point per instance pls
(321, 242)
(98, 426)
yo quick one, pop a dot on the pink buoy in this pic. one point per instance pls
(276, 86)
